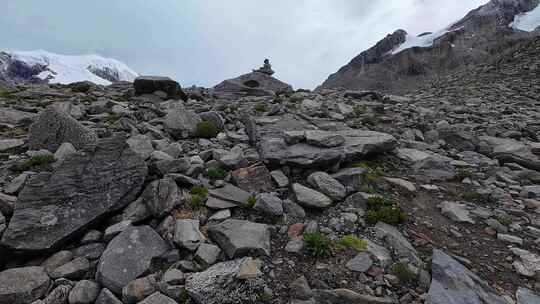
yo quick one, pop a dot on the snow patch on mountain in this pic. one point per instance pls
(425, 40)
(528, 21)
(67, 69)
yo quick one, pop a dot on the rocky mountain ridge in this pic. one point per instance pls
(400, 61)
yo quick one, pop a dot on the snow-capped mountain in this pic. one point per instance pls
(399, 61)
(46, 67)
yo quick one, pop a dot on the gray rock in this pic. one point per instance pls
(141, 144)
(219, 284)
(187, 234)
(241, 238)
(84, 188)
(280, 178)
(510, 238)
(293, 209)
(233, 159)
(16, 184)
(90, 251)
(7, 204)
(161, 196)
(158, 298)
(56, 260)
(207, 254)
(128, 256)
(327, 185)
(54, 127)
(64, 151)
(360, 263)
(8, 144)
(295, 246)
(180, 122)
(59, 295)
(253, 179)
(269, 204)
(75, 269)
(220, 215)
(138, 289)
(84, 292)
(213, 117)
(15, 117)
(324, 139)
(379, 253)
(23, 285)
(151, 84)
(395, 240)
(229, 193)
(115, 230)
(456, 212)
(107, 297)
(310, 198)
(173, 277)
(300, 289)
(358, 144)
(252, 84)
(351, 178)
(453, 283)
(526, 296)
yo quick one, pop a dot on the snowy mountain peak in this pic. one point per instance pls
(42, 66)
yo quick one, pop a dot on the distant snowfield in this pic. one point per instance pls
(65, 69)
(422, 41)
(528, 21)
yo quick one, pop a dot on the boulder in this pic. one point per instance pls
(310, 198)
(180, 122)
(269, 204)
(326, 184)
(158, 298)
(456, 212)
(151, 84)
(358, 144)
(453, 283)
(511, 151)
(55, 206)
(187, 234)
(252, 84)
(73, 270)
(220, 284)
(8, 144)
(526, 296)
(12, 117)
(107, 297)
(240, 238)
(128, 256)
(23, 285)
(161, 196)
(54, 127)
(253, 179)
(84, 292)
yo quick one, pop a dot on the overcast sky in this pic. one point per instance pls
(206, 41)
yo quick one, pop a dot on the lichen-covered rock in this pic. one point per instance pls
(54, 127)
(54, 206)
(23, 285)
(241, 238)
(180, 122)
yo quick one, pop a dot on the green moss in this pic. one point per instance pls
(207, 129)
(504, 219)
(38, 162)
(216, 173)
(250, 203)
(198, 194)
(403, 273)
(184, 297)
(359, 110)
(463, 174)
(261, 107)
(199, 190)
(316, 244)
(264, 297)
(354, 242)
(377, 202)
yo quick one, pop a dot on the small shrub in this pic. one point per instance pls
(383, 209)
(261, 107)
(112, 118)
(216, 173)
(316, 244)
(505, 220)
(354, 242)
(39, 162)
(359, 110)
(463, 174)
(184, 297)
(199, 190)
(250, 203)
(403, 273)
(207, 129)
(264, 297)
(370, 120)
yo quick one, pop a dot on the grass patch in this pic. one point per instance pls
(354, 242)
(112, 118)
(403, 273)
(207, 129)
(264, 297)
(260, 107)
(198, 194)
(359, 110)
(463, 174)
(382, 209)
(38, 162)
(250, 203)
(316, 244)
(216, 173)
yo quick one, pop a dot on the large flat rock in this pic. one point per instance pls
(252, 84)
(358, 144)
(241, 238)
(55, 206)
(129, 256)
(452, 283)
(23, 285)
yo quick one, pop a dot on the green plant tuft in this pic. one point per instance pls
(216, 173)
(207, 129)
(261, 107)
(198, 194)
(38, 162)
(463, 174)
(199, 190)
(403, 273)
(383, 209)
(250, 203)
(354, 242)
(316, 244)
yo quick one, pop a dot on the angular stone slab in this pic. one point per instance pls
(23, 285)
(55, 206)
(241, 238)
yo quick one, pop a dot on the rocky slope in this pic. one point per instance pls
(150, 193)
(399, 62)
(46, 67)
